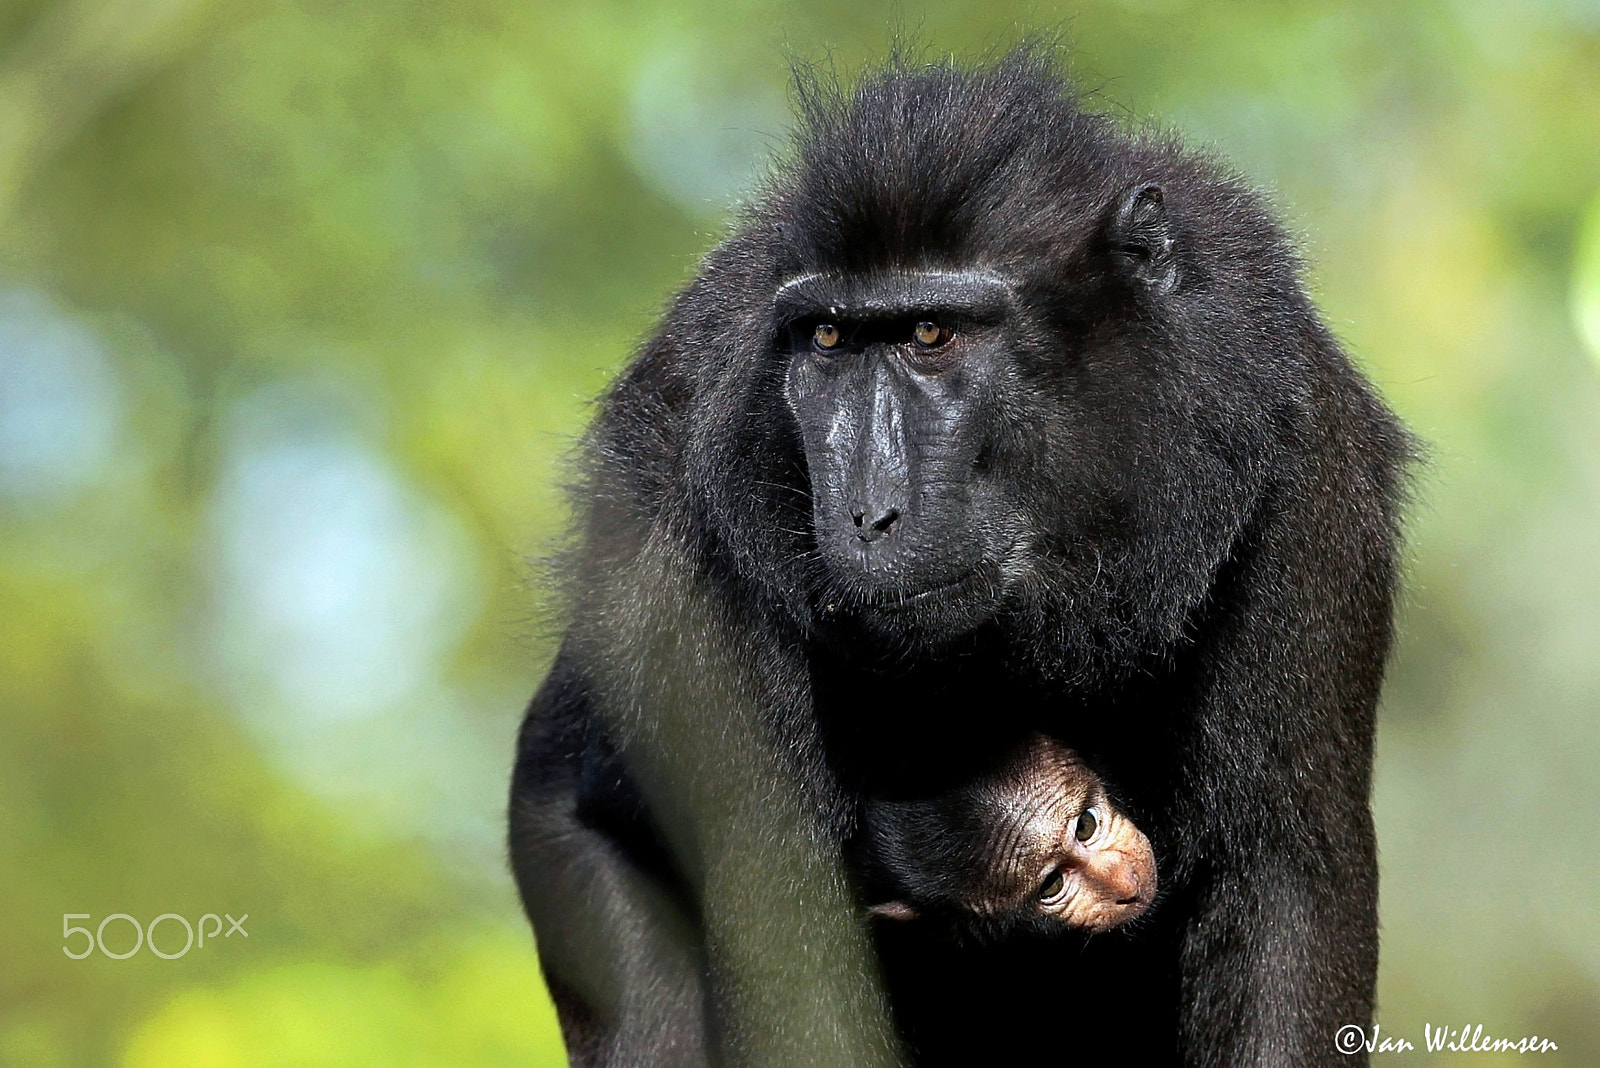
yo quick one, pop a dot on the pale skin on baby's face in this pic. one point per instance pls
(1056, 847)
(1091, 871)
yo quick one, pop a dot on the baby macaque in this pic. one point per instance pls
(1034, 845)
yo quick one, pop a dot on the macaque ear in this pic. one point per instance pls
(1141, 237)
(894, 910)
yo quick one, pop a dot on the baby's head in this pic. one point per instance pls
(1035, 844)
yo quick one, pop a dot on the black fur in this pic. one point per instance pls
(1173, 543)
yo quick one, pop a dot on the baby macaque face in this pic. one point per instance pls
(1091, 867)
(1045, 848)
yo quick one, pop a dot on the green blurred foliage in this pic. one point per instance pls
(300, 307)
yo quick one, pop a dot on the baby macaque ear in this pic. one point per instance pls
(894, 910)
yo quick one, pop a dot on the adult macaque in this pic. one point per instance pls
(987, 419)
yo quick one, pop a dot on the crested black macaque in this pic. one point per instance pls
(987, 419)
(1035, 845)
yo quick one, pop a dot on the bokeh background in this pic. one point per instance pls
(301, 307)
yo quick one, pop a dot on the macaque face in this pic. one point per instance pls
(1097, 868)
(1039, 845)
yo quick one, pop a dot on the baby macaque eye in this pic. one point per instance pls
(1088, 823)
(1054, 883)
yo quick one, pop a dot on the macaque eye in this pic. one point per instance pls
(1054, 883)
(826, 336)
(931, 334)
(1088, 823)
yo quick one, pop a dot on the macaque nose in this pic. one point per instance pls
(872, 531)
